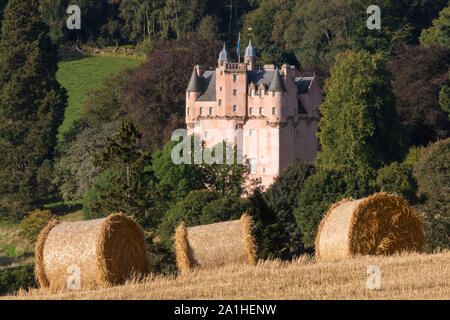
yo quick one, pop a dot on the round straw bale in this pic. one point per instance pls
(381, 224)
(214, 245)
(107, 252)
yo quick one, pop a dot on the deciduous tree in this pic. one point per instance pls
(432, 172)
(398, 178)
(321, 190)
(104, 104)
(155, 96)
(75, 171)
(360, 128)
(420, 73)
(282, 199)
(439, 33)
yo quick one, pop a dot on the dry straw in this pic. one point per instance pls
(381, 224)
(217, 244)
(108, 252)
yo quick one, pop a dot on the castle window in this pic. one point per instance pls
(234, 108)
(220, 102)
(263, 170)
(261, 111)
(234, 92)
(202, 110)
(251, 132)
(206, 134)
(283, 111)
(261, 92)
(234, 77)
(220, 89)
(189, 111)
(273, 93)
(211, 110)
(252, 93)
(274, 111)
(252, 165)
(251, 111)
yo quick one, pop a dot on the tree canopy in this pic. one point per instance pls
(75, 172)
(432, 172)
(420, 73)
(439, 33)
(155, 96)
(31, 106)
(320, 191)
(314, 32)
(360, 127)
(281, 197)
(129, 191)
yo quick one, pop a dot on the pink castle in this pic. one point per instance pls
(272, 114)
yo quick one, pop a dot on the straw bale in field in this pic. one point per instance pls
(381, 224)
(214, 245)
(107, 252)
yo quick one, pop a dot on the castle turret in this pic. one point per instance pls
(224, 56)
(276, 90)
(250, 56)
(277, 84)
(195, 83)
(193, 91)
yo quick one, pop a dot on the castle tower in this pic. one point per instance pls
(193, 91)
(250, 56)
(271, 113)
(231, 87)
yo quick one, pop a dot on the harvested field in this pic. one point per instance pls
(411, 276)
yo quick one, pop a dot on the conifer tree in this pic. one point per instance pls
(126, 165)
(31, 107)
(3, 4)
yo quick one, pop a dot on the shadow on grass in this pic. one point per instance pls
(63, 208)
(75, 58)
(8, 261)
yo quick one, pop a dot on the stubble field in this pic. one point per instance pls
(407, 276)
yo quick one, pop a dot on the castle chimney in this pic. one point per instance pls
(287, 70)
(200, 69)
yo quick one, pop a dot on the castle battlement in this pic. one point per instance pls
(235, 67)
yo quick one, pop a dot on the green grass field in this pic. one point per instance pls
(80, 74)
(77, 75)
(14, 250)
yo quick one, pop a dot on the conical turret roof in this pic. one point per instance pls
(250, 51)
(277, 84)
(224, 55)
(195, 83)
